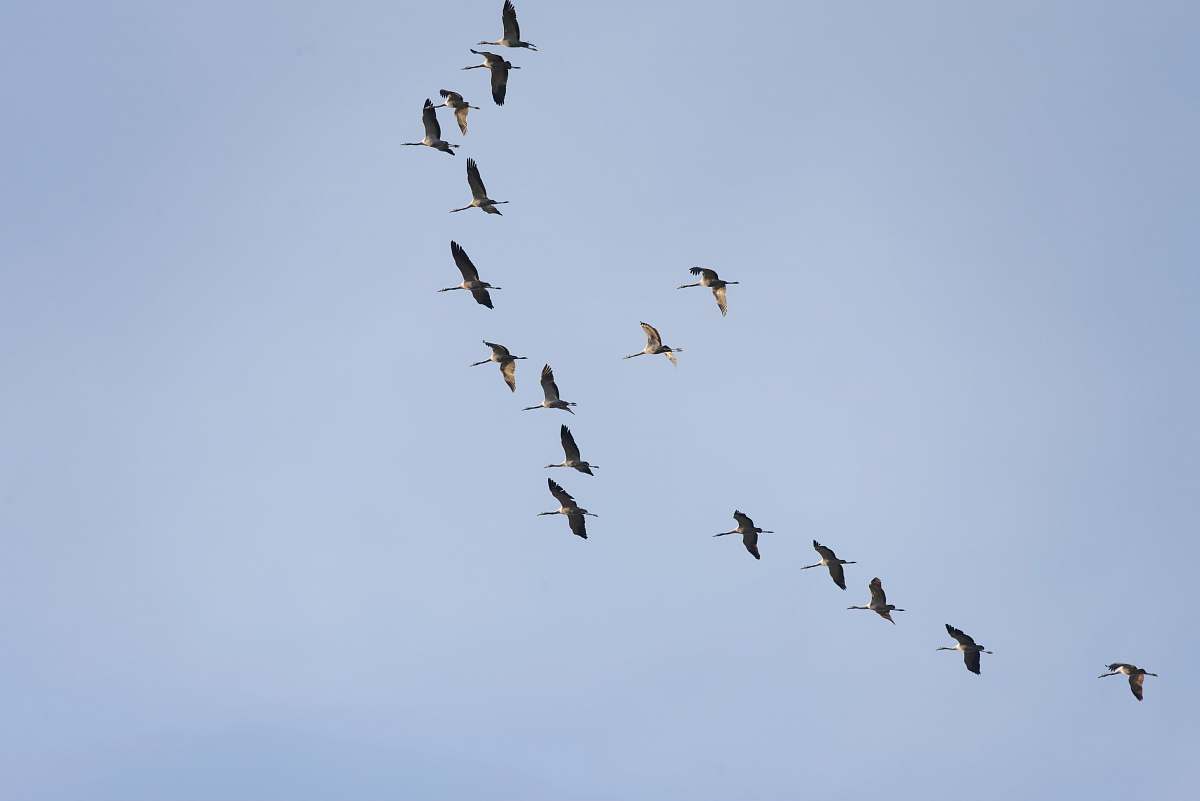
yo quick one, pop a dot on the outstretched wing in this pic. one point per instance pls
(549, 388)
(454, 97)
(482, 297)
(826, 553)
(512, 31)
(971, 657)
(429, 117)
(499, 351)
(568, 443)
(704, 273)
(878, 597)
(578, 524)
(469, 273)
(653, 340)
(564, 498)
(963, 639)
(1135, 684)
(460, 114)
(837, 574)
(750, 540)
(508, 369)
(719, 294)
(474, 181)
(743, 520)
(499, 82)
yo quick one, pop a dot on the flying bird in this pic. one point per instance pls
(550, 391)
(567, 506)
(749, 532)
(879, 604)
(499, 69)
(831, 561)
(571, 453)
(1136, 676)
(512, 31)
(967, 646)
(655, 346)
(479, 198)
(709, 278)
(455, 101)
(471, 283)
(433, 131)
(507, 362)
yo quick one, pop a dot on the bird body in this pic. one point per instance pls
(655, 346)
(498, 67)
(830, 560)
(749, 532)
(967, 647)
(512, 31)
(1137, 676)
(571, 454)
(567, 506)
(455, 101)
(550, 400)
(479, 198)
(708, 278)
(471, 283)
(879, 604)
(508, 363)
(433, 131)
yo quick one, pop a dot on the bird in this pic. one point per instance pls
(507, 362)
(499, 68)
(749, 532)
(970, 650)
(455, 101)
(471, 283)
(655, 346)
(1136, 676)
(831, 561)
(567, 506)
(512, 31)
(479, 198)
(709, 278)
(550, 391)
(433, 131)
(879, 604)
(571, 451)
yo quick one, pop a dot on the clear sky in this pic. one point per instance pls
(267, 536)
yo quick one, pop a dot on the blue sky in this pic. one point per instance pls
(268, 537)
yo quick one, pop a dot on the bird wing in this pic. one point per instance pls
(549, 388)
(653, 340)
(743, 520)
(499, 351)
(878, 597)
(429, 117)
(508, 369)
(482, 297)
(704, 273)
(578, 524)
(512, 31)
(1119, 665)
(460, 114)
(971, 657)
(825, 552)
(499, 82)
(961, 637)
(454, 97)
(837, 574)
(469, 273)
(1135, 684)
(750, 540)
(564, 498)
(568, 443)
(474, 181)
(719, 294)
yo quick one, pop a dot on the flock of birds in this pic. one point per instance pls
(576, 515)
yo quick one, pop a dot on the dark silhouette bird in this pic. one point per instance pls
(507, 362)
(967, 646)
(1137, 676)
(471, 283)
(479, 198)
(512, 31)
(567, 506)
(709, 278)
(749, 532)
(655, 346)
(455, 101)
(830, 560)
(499, 68)
(433, 131)
(550, 393)
(879, 604)
(571, 453)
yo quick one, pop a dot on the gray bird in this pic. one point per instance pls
(433, 131)
(1136, 676)
(830, 560)
(967, 646)
(749, 532)
(879, 604)
(709, 278)
(507, 362)
(571, 454)
(567, 506)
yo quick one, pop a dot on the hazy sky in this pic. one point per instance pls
(266, 535)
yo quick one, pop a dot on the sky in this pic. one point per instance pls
(267, 536)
